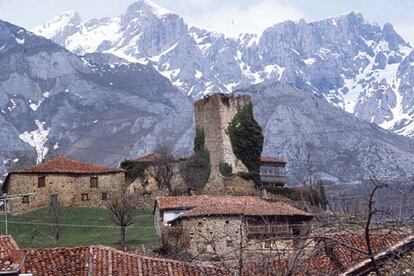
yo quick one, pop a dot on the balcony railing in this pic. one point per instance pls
(269, 229)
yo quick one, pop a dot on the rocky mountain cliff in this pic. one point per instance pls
(101, 108)
(96, 108)
(358, 66)
(317, 137)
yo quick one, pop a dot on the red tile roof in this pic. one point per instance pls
(65, 165)
(228, 205)
(10, 255)
(102, 260)
(268, 159)
(148, 158)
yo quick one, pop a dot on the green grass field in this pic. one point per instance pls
(79, 226)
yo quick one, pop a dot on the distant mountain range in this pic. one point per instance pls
(102, 107)
(360, 67)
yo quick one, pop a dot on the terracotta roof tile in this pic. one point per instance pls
(102, 260)
(148, 158)
(269, 159)
(65, 165)
(10, 255)
(228, 205)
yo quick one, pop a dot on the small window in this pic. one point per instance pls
(41, 181)
(267, 244)
(94, 182)
(104, 196)
(25, 199)
(85, 197)
(230, 243)
(200, 223)
(227, 222)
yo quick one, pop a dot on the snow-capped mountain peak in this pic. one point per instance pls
(356, 65)
(146, 8)
(59, 24)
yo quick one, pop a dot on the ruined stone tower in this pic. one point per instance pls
(213, 115)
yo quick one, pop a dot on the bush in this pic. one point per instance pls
(134, 169)
(247, 139)
(225, 169)
(250, 176)
(197, 168)
(284, 191)
(199, 140)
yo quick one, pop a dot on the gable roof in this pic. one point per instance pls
(268, 159)
(66, 165)
(228, 205)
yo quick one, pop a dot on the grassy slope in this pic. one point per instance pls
(28, 234)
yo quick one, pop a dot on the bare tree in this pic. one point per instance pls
(122, 208)
(164, 168)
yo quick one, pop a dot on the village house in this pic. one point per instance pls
(209, 227)
(68, 181)
(272, 171)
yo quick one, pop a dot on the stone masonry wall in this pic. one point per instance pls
(213, 238)
(68, 188)
(213, 115)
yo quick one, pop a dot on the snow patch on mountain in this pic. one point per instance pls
(354, 64)
(37, 139)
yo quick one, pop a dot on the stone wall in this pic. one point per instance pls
(147, 184)
(217, 238)
(68, 188)
(213, 115)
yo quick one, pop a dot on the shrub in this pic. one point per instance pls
(134, 169)
(197, 168)
(199, 140)
(225, 169)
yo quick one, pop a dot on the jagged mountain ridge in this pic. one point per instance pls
(97, 108)
(101, 108)
(358, 66)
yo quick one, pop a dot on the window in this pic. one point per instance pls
(41, 181)
(25, 199)
(104, 196)
(230, 243)
(94, 182)
(85, 197)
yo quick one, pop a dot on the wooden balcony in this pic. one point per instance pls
(269, 229)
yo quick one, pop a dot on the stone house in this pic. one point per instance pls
(272, 171)
(146, 184)
(71, 182)
(215, 227)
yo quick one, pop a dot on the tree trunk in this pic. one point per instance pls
(123, 235)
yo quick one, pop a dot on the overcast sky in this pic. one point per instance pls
(227, 16)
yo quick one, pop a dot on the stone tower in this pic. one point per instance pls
(213, 115)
